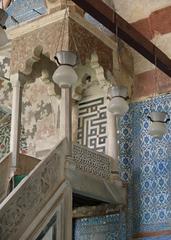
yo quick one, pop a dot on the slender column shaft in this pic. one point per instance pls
(16, 119)
(66, 113)
(64, 217)
(74, 121)
(112, 148)
(68, 214)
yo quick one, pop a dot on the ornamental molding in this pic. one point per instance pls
(91, 77)
(35, 25)
(39, 65)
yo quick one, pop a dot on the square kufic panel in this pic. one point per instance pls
(92, 124)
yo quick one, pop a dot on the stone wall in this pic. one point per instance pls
(153, 21)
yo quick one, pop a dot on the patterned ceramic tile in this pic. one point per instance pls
(100, 228)
(145, 164)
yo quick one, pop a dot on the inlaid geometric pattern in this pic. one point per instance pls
(89, 161)
(92, 124)
(146, 164)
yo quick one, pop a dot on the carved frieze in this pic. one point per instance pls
(19, 211)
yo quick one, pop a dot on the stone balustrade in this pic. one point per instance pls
(92, 162)
(24, 203)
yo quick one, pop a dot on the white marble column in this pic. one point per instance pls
(64, 216)
(16, 118)
(66, 114)
(112, 146)
(75, 116)
(67, 227)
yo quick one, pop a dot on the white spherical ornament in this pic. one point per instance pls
(65, 76)
(118, 106)
(157, 129)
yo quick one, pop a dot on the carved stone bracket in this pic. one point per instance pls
(91, 76)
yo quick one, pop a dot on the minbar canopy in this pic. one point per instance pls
(109, 18)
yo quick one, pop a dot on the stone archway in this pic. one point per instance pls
(39, 66)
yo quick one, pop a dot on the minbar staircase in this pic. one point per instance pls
(45, 198)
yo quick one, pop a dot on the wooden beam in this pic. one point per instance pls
(109, 18)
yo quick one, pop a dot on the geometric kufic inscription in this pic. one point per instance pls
(92, 124)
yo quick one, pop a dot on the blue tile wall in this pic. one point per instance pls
(22, 10)
(100, 228)
(146, 165)
(157, 238)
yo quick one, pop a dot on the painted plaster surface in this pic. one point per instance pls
(97, 24)
(146, 165)
(162, 42)
(5, 86)
(87, 44)
(5, 129)
(24, 46)
(133, 10)
(40, 116)
(5, 93)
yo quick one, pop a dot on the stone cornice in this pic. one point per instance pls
(31, 26)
